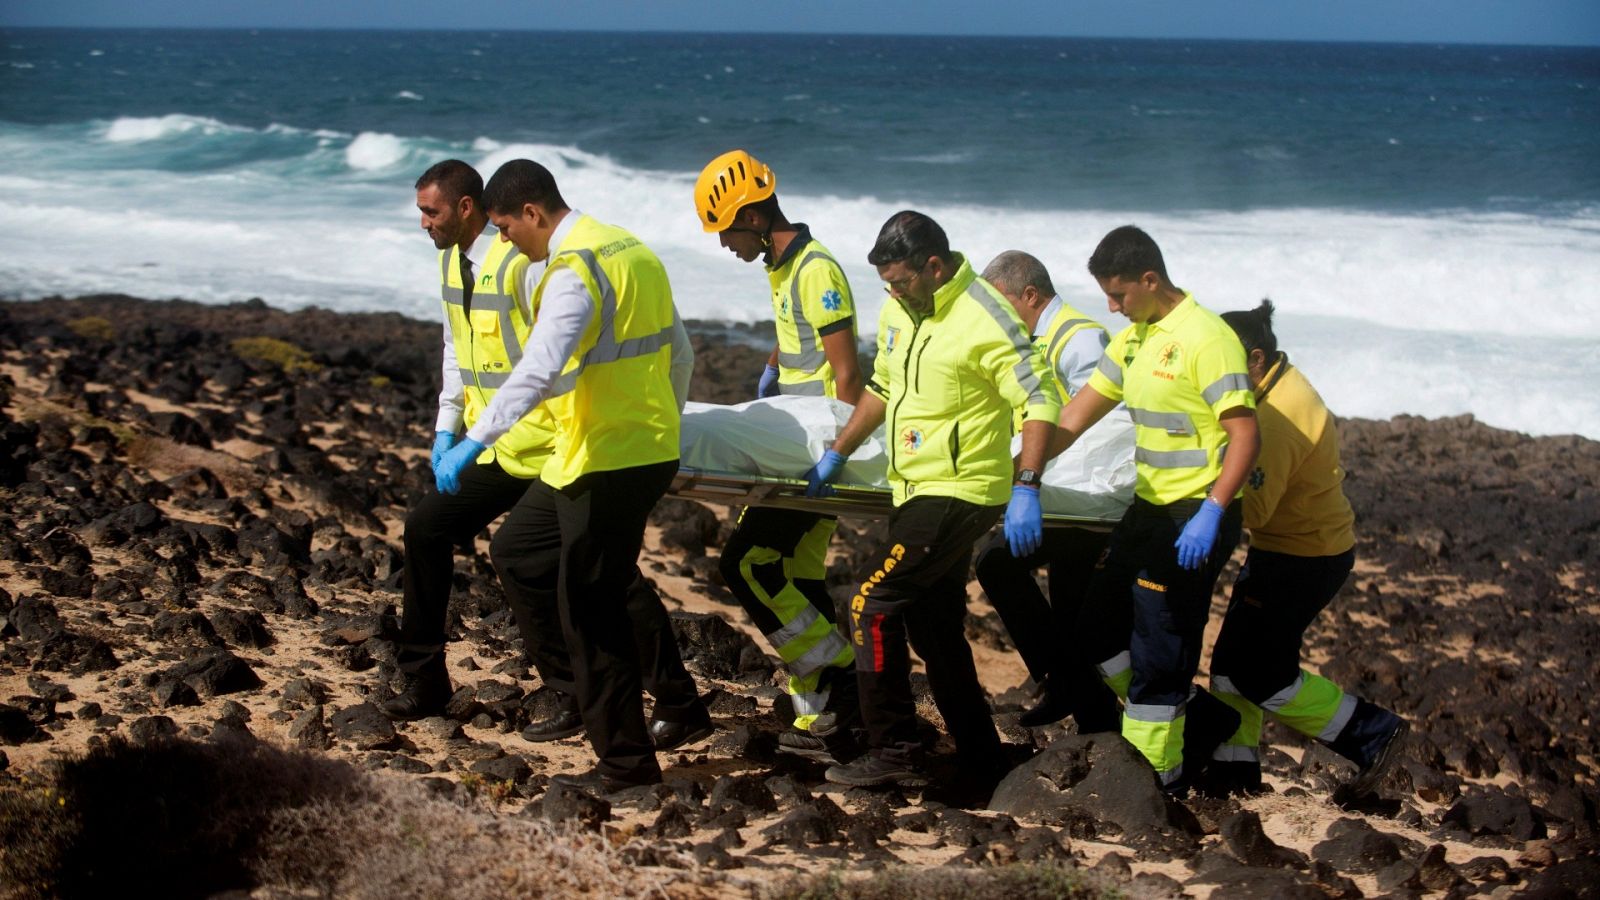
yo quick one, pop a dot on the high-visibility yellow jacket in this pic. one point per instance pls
(1067, 322)
(1293, 500)
(951, 381)
(810, 299)
(488, 333)
(1177, 377)
(613, 402)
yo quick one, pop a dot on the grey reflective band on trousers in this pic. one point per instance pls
(1234, 381)
(810, 357)
(1110, 370)
(1175, 423)
(499, 303)
(607, 348)
(1023, 370)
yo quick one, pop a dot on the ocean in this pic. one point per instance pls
(1426, 218)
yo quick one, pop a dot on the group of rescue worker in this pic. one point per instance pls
(565, 370)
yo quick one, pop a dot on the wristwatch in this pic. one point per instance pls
(1028, 478)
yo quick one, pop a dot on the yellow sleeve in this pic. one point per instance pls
(1281, 453)
(1107, 377)
(1220, 373)
(1019, 371)
(879, 382)
(825, 294)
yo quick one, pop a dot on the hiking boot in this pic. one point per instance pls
(838, 747)
(426, 691)
(1224, 778)
(1381, 757)
(874, 771)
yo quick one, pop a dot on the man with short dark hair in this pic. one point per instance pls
(1181, 371)
(487, 318)
(610, 357)
(954, 366)
(1041, 629)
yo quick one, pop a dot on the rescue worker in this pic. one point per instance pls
(1302, 547)
(1041, 629)
(1181, 372)
(487, 318)
(954, 364)
(602, 355)
(776, 561)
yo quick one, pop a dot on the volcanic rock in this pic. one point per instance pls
(1099, 776)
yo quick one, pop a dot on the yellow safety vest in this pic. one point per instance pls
(951, 381)
(1177, 377)
(613, 402)
(1068, 322)
(488, 334)
(809, 293)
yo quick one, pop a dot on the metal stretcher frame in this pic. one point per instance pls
(736, 489)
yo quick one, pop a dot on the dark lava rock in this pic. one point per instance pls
(1491, 810)
(717, 649)
(1238, 882)
(151, 729)
(819, 821)
(215, 672)
(676, 820)
(181, 428)
(1245, 839)
(189, 627)
(308, 730)
(242, 628)
(564, 802)
(172, 692)
(304, 691)
(733, 791)
(1099, 776)
(365, 727)
(35, 618)
(16, 727)
(65, 651)
(746, 742)
(114, 529)
(1575, 878)
(1355, 846)
(510, 768)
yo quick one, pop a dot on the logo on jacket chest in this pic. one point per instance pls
(893, 338)
(911, 441)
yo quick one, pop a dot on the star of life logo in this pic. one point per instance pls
(832, 300)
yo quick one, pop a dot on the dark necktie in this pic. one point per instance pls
(466, 281)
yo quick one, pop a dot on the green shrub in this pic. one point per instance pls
(283, 354)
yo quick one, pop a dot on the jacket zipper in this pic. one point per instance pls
(894, 418)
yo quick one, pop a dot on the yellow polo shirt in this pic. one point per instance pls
(1294, 500)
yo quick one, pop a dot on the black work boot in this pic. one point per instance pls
(1372, 739)
(427, 690)
(1207, 723)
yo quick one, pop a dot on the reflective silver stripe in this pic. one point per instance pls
(1236, 753)
(453, 295)
(1153, 712)
(1116, 665)
(1022, 342)
(1234, 381)
(1110, 370)
(1053, 351)
(809, 704)
(804, 388)
(1222, 684)
(1170, 459)
(810, 357)
(1171, 775)
(793, 628)
(1171, 423)
(489, 301)
(1341, 718)
(444, 277)
(510, 290)
(1282, 698)
(607, 348)
(826, 651)
(490, 381)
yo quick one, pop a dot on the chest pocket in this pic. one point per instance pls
(485, 322)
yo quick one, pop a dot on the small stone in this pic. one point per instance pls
(309, 731)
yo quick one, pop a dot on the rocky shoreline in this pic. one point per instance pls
(200, 511)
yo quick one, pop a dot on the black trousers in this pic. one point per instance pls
(435, 527)
(918, 591)
(569, 561)
(1275, 600)
(1041, 628)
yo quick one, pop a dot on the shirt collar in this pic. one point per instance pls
(479, 250)
(1171, 321)
(956, 286)
(1280, 368)
(801, 239)
(559, 236)
(1048, 316)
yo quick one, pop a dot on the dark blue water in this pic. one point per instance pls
(1029, 123)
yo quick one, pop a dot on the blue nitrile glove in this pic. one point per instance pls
(826, 470)
(768, 385)
(442, 441)
(1024, 521)
(447, 477)
(1199, 535)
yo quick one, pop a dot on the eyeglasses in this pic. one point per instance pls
(904, 284)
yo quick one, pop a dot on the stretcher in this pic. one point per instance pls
(753, 454)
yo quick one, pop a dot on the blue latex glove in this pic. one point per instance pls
(1199, 535)
(447, 477)
(442, 441)
(1024, 521)
(826, 470)
(768, 385)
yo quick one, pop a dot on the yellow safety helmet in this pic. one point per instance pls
(731, 181)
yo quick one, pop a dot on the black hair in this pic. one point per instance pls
(456, 179)
(909, 235)
(1254, 328)
(767, 206)
(1127, 253)
(519, 182)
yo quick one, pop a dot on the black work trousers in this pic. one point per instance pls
(1275, 600)
(918, 591)
(435, 527)
(569, 561)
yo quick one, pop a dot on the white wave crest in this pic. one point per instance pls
(130, 129)
(373, 150)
